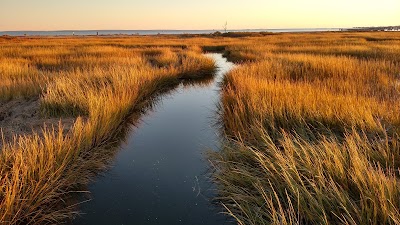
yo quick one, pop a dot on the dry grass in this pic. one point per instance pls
(292, 92)
(294, 181)
(313, 121)
(102, 86)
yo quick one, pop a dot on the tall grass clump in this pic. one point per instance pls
(295, 181)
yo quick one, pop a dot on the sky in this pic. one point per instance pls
(194, 14)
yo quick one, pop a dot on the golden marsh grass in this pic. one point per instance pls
(101, 86)
(312, 121)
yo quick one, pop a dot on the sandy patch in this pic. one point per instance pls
(22, 117)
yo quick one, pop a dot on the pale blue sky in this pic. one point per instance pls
(201, 14)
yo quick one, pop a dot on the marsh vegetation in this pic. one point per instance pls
(99, 85)
(311, 121)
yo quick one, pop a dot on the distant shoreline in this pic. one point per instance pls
(154, 32)
(381, 28)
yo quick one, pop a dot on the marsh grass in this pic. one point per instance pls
(294, 181)
(312, 124)
(311, 121)
(102, 87)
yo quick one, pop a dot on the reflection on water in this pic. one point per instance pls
(160, 174)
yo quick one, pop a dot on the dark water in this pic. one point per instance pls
(160, 175)
(151, 32)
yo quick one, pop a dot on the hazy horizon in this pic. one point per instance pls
(47, 15)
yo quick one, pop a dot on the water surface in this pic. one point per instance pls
(160, 174)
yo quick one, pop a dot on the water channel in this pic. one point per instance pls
(160, 175)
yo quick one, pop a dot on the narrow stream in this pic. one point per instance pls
(160, 174)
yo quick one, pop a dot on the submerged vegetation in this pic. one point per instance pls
(312, 121)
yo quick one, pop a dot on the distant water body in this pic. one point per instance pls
(151, 32)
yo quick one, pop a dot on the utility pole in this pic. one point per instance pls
(226, 26)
